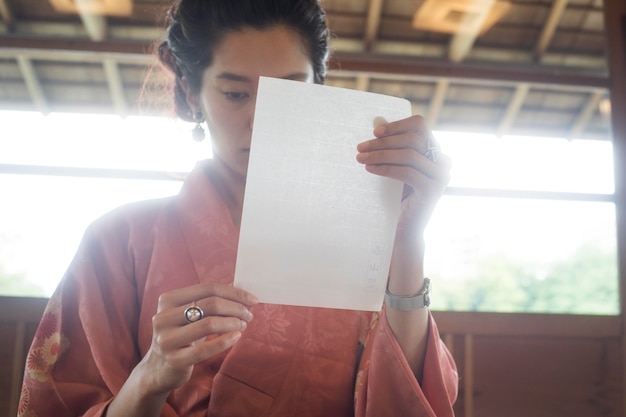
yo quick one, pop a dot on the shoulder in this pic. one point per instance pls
(135, 219)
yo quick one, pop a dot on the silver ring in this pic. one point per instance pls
(193, 313)
(433, 149)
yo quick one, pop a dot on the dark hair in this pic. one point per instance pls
(195, 27)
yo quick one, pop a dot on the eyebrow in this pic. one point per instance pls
(241, 78)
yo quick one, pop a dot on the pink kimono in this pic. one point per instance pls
(291, 361)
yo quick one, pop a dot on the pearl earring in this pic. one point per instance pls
(197, 133)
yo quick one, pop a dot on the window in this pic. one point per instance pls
(527, 224)
(74, 161)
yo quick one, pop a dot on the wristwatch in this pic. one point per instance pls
(409, 302)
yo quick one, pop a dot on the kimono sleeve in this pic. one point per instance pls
(386, 385)
(85, 346)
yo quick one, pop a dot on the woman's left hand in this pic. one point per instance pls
(398, 152)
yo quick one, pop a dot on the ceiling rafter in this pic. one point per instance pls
(587, 111)
(375, 47)
(116, 86)
(362, 82)
(436, 102)
(95, 24)
(549, 28)
(512, 110)
(33, 84)
(462, 42)
(374, 14)
(32, 33)
(7, 15)
(423, 67)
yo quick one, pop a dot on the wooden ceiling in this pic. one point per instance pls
(529, 67)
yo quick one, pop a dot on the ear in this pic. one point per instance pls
(190, 97)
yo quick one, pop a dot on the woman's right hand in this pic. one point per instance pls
(178, 345)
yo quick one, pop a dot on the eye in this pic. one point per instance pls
(235, 95)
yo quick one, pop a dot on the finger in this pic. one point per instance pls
(406, 133)
(178, 337)
(201, 351)
(406, 158)
(415, 124)
(379, 121)
(439, 172)
(404, 140)
(188, 295)
(212, 306)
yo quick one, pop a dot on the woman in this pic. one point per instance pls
(146, 321)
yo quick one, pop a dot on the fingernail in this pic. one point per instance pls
(253, 299)
(249, 315)
(380, 130)
(362, 157)
(243, 324)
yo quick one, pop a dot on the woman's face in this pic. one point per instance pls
(229, 86)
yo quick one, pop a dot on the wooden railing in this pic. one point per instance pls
(567, 365)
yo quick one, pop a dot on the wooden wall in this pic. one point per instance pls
(510, 365)
(535, 365)
(19, 318)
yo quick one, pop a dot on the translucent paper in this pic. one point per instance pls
(317, 228)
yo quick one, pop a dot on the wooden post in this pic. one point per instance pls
(615, 24)
(468, 377)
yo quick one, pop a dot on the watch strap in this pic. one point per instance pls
(409, 302)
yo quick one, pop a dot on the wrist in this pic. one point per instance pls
(418, 300)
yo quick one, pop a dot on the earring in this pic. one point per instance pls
(197, 133)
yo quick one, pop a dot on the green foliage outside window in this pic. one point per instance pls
(585, 283)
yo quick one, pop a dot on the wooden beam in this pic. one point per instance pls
(528, 324)
(529, 195)
(116, 86)
(7, 15)
(32, 83)
(22, 309)
(558, 7)
(123, 8)
(462, 42)
(62, 171)
(342, 59)
(513, 108)
(74, 47)
(585, 114)
(491, 54)
(362, 82)
(19, 347)
(96, 26)
(436, 102)
(129, 52)
(374, 13)
(424, 67)
(468, 376)
(615, 24)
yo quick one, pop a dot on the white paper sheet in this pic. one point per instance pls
(317, 229)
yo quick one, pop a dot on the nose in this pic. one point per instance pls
(251, 109)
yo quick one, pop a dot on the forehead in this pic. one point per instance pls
(255, 52)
